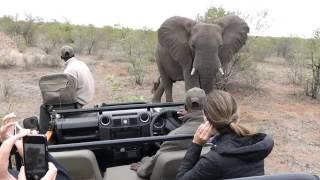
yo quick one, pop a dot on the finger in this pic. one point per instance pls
(52, 172)
(34, 132)
(6, 129)
(8, 118)
(7, 145)
(8, 125)
(22, 174)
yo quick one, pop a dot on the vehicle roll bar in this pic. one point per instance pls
(118, 107)
(105, 143)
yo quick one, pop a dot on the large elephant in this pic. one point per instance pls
(196, 52)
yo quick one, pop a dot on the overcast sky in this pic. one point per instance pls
(285, 18)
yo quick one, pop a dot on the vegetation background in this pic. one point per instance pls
(275, 79)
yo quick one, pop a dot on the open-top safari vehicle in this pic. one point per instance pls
(100, 142)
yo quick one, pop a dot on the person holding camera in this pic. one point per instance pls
(192, 118)
(10, 141)
(236, 151)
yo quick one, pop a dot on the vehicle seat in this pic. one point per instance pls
(121, 173)
(167, 164)
(81, 164)
(288, 176)
(58, 93)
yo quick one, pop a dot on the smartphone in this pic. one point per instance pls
(35, 156)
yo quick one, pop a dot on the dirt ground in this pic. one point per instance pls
(292, 120)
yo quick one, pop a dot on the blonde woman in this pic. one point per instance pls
(236, 152)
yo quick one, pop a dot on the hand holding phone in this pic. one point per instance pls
(35, 156)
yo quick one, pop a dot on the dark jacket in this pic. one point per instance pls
(191, 123)
(231, 156)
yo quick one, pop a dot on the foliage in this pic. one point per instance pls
(212, 13)
(139, 47)
(313, 84)
(6, 62)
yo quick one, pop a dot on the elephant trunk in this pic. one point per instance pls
(207, 71)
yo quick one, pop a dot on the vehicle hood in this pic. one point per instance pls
(250, 148)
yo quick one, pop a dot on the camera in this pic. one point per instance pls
(35, 150)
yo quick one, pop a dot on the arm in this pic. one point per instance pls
(146, 168)
(194, 167)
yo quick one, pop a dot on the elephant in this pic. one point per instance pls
(196, 52)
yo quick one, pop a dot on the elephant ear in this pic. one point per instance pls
(174, 35)
(234, 35)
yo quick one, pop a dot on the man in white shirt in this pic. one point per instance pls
(84, 82)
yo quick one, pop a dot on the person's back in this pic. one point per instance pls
(192, 118)
(83, 79)
(235, 156)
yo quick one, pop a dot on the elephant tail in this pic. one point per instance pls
(156, 84)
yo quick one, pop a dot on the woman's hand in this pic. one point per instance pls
(8, 125)
(6, 130)
(50, 175)
(5, 150)
(203, 133)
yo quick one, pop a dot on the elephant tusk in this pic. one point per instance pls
(193, 71)
(221, 71)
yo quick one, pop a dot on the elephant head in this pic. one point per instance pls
(203, 49)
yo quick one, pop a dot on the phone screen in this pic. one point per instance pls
(35, 157)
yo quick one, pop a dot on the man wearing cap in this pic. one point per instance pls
(192, 119)
(84, 82)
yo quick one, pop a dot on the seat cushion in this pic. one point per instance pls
(121, 172)
(81, 164)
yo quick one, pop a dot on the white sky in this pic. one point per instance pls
(286, 17)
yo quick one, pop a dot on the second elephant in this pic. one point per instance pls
(196, 52)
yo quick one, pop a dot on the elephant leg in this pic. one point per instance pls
(190, 81)
(158, 93)
(168, 90)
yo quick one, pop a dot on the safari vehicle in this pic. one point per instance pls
(100, 142)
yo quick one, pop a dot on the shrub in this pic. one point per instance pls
(6, 61)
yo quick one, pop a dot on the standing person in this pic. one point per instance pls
(237, 152)
(83, 80)
(192, 118)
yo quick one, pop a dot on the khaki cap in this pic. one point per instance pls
(67, 51)
(195, 95)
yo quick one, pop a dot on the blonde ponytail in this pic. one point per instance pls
(240, 130)
(221, 110)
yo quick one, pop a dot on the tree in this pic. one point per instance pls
(213, 13)
(28, 29)
(315, 65)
